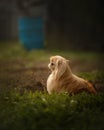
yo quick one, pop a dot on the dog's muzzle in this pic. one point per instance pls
(49, 66)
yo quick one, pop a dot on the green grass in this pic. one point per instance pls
(36, 111)
(13, 50)
(40, 111)
(93, 76)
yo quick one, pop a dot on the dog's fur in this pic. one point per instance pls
(63, 80)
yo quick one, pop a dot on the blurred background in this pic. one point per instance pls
(33, 30)
(56, 24)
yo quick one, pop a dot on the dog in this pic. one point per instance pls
(62, 79)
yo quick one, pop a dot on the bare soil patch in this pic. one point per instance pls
(14, 74)
(18, 75)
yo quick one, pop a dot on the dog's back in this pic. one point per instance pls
(75, 85)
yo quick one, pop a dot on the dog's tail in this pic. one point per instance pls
(91, 88)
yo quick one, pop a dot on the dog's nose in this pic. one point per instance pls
(52, 63)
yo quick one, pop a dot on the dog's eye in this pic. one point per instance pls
(52, 64)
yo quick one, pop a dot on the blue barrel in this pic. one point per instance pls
(31, 33)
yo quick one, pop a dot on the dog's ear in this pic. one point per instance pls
(68, 61)
(60, 68)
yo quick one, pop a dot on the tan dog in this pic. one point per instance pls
(63, 80)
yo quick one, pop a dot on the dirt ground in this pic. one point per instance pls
(14, 74)
(20, 76)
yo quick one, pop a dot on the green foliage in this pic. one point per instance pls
(93, 76)
(36, 111)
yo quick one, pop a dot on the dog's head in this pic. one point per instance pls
(58, 64)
